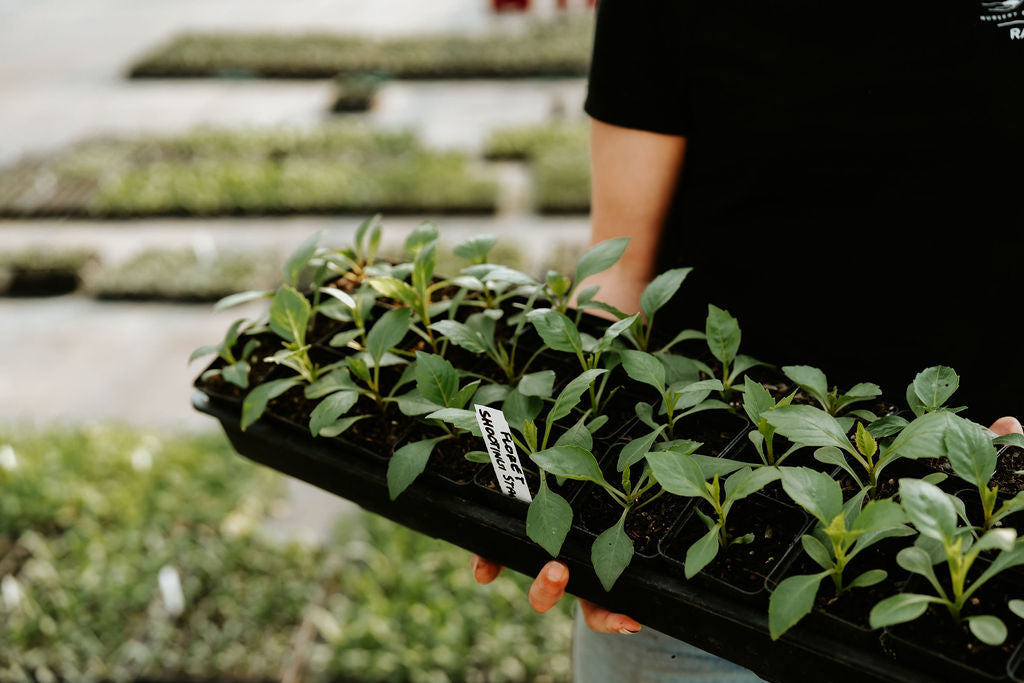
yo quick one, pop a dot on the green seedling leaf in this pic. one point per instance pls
(723, 334)
(462, 335)
(900, 609)
(412, 403)
(970, 451)
(465, 394)
(289, 315)
(700, 554)
(694, 394)
(834, 456)
(600, 257)
(343, 297)
(634, 451)
(570, 395)
(1012, 439)
(922, 438)
(645, 413)
(1017, 607)
(330, 409)
(487, 394)
(437, 380)
(868, 578)
(571, 462)
(395, 289)
(519, 409)
(810, 379)
(816, 492)
(644, 367)
(341, 426)
(791, 601)
(613, 331)
(577, 435)
(476, 248)
(479, 457)
(461, 419)
(203, 351)
(299, 259)
(678, 473)
(917, 561)
(237, 374)
(242, 298)
(540, 384)
(878, 515)
(407, 463)
(558, 283)
(808, 426)
(988, 629)
(661, 290)
(255, 402)
(422, 235)
(387, 332)
(557, 330)
(345, 338)
(935, 386)
(744, 482)
(887, 426)
(684, 335)
(756, 400)
(611, 553)
(336, 380)
(678, 369)
(548, 520)
(866, 443)
(816, 551)
(929, 509)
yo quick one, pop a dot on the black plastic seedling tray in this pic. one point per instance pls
(731, 624)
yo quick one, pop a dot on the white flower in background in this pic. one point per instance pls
(8, 460)
(142, 459)
(170, 590)
(11, 592)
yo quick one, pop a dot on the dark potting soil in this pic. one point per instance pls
(448, 458)
(1011, 460)
(258, 369)
(745, 567)
(936, 636)
(716, 429)
(645, 527)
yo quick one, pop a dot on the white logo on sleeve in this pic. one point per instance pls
(1005, 14)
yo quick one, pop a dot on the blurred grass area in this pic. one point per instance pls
(333, 168)
(558, 48)
(92, 517)
(559, 163)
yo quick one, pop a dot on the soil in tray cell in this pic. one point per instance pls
(716, 429)
(938, 640)
(448, 458)
(258, 370)
(597, 511)
(742, 566)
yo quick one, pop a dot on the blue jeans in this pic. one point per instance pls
(646, 657)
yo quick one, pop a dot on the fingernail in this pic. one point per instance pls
(556, 572)
(475, 563)
(626, 631)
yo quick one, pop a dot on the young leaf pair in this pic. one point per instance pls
(842, 532)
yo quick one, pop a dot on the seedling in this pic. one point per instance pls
(933, 514)
(723, 334)
(560, 288)
(813, 381)
(677, 400)
(756, 402)
(931, 389)
(810, 426)
(236, 368)
(842, 532)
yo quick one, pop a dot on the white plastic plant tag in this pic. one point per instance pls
(502, 449)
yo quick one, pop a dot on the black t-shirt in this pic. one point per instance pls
(852, 189)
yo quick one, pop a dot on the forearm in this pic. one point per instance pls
(633, 180)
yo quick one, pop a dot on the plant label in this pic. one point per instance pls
(504, 457)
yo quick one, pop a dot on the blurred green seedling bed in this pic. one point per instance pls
(38, 271)
(95, 519)
(559, 48)
(558, 159)
(330, 169)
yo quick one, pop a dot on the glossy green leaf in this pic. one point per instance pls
(611, 553)
(791, 601)
(695, 393)
(345, 338)
(887, 426)
(242, 298)
(808, 426)
(970, 451)
(661, 290)
(413, 403)
(899, 609)
(600, 257)
(700, 554)
(461, 335)
(341, 426)
(1012, 439)
(437, 380)
(330, 409)
(548, 520)
(922, 438)
(678, 473)
(407, 463)
(570, 395)
(571, 462)
(577, 435)
(810, 379)
(988, 629)
(644, 367)
(834, 456)
(557, 330)
(519, 409)
(929, 508)
(395, 289)
(934, 386)
(866, 443)
(457, 417)
(747, 481)
(634, 451)
(723, 334)
(424, 234)
(816, 492)
(869, 578)
(756, 400)
(816, 551)
(879, 514)
(537, 384)
(289, 315)
(336, 380)
(255, 402)
(475, 249)
(479, 457)
(1017, 607)
(237, 374)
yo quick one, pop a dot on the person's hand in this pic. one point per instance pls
(549, 587)
(1006, 425)
(618, 288)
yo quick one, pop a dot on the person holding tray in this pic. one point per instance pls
(845, 179)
